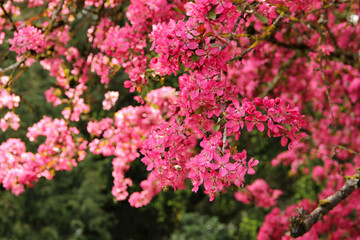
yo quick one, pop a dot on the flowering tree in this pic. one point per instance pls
(283, 69)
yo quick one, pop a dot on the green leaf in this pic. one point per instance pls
(262, 18)
(195, 58)
(212, 14)
(216, 128)
(199, 110)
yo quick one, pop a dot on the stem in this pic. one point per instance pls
(235, 26)
(323, 23)
(9, 68)
(13, 77)
(263, 36)
(8, 17)
(225, 129)
(53, 18)
(341, 147)
(302, 224)
(278, 76)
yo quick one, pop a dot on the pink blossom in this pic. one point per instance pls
(252, 163)
(259, 192)
(9, 120)
(50, 96)
(10, 100)
(110, 99)
(27, 38)
(2, 36)
(318, 174)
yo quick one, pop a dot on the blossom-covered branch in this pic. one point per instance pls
(196, 68)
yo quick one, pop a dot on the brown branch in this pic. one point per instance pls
(340, 55)
(332, 37)
(292, 46)
(326, 6)
(326, 89)
(225, 128)
(53, 18)
(279, 75)
(322, 21)
(303, 223)
(236, 25)
(341, 147)
(263, 36)
(13, 78)
(7, 15)
(346, 58)
(9, 68)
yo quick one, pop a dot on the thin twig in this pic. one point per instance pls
(9, 68)
(53, 18)
(302, 224)
(225, 128)
(263, 36)
(236, 25)
(27, 103)
(341, 147)
(326, 83)
(332, 38)
(8, 17)
(12, 79)
(340, 55)
(279, 75)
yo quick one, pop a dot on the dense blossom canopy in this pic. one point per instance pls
(279, 68)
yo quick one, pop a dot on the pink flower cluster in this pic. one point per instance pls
(122, 137)
(218, 172)
(110, 99)
(17, 167)
(78, 105)
(193, 132)
(216, 167)
(61, 149)
(2, 36)
(259, 192)
(163, 99)
(166, 152)
(9, 100)
(142, 14)
(10, 120)
(284, 123)
(200, 10)
(27, 38)
(51, 96)
(179, 43)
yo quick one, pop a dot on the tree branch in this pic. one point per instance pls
(236, 25)
(53, 18)
(322, 21)
(302, 224)
(326, 82)
(263, 36)
(278, 76)
(341, 147)
(9, 68)
(7, 15)
(13, 77)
